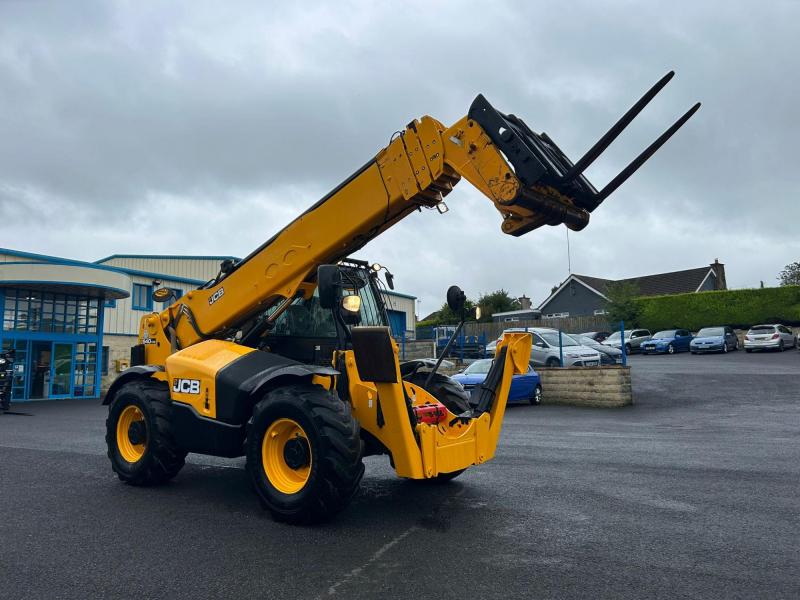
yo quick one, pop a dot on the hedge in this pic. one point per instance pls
(737, 308)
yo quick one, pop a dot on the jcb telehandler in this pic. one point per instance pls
(285, 356)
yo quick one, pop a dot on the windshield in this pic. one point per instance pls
(551, 337)
(614, 337)
(306, 318)
(479, 367)
(762, 329)
(711, 332)
(586, 341)
(667, 333)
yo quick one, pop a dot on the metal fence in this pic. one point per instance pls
(568, 324)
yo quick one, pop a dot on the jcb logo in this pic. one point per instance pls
(186, 386)
(216, 296)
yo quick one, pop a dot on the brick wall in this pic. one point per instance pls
(605, 387)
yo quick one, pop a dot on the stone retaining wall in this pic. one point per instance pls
(606, 387)
(413, 349)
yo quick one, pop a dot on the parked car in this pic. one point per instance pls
(545, 351)
(769, 337)
(491, 347)
(714, 339)
(597, 336)
(524, 388)
(608, 355)
(668, 341)
(633, 339)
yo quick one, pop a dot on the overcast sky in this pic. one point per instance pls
(203, 128)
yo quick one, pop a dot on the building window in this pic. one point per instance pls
(142, 297)
(600, 311)
(110, 303)
(510, 319)
(26, 310)
(560, 315)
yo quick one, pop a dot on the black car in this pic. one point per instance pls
(597, 336)
(608, 355)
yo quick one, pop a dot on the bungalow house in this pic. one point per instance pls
(581, 295)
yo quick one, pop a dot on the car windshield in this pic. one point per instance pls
(614, 337)
(479, 367)
(711, 332)
(582, 339)
(762, 329)
(667, 333)
(551, 337)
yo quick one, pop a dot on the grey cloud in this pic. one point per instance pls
(228, 122)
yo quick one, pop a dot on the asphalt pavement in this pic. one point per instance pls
(692, 492)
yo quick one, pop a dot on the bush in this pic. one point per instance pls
(738, 308)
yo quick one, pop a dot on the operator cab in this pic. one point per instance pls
(309, 333)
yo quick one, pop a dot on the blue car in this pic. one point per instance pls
(715, 339)
(668, 341)
(524, 388)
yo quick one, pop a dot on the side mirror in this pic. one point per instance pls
(456, 299)
(328, 283)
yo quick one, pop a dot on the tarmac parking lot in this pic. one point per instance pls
(691, 492)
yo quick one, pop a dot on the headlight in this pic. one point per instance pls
(571, 355)
(2, 361)
(351, 303)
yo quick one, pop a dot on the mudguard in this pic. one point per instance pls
(127, 375)
(244, 381)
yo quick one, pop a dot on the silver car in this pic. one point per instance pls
(546, 353)
(769, 337)
(633, 339)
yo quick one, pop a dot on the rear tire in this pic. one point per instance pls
(445, 389)
(780, 346)
(748, 350)
(309, 467)
(141, 412)
(628, 349)
(536, 399)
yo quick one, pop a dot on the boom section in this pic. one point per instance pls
(525, 175)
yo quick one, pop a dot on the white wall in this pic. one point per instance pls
(124, 320)
(203, 268)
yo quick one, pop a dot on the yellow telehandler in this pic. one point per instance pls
(285, 357)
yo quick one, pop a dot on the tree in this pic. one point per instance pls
(790, 274)
(495, 302)
(623, 304)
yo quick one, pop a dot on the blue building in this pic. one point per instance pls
(72, 323)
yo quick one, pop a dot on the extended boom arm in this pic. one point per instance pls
(525, 175)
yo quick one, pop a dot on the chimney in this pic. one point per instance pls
(719, 271)
(524, 302)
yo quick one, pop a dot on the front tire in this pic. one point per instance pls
(139, 437)
(628, 349)
(671, 349)
(552, 362)
(304, 453)
(724, 347)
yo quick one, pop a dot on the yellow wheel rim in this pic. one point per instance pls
(127, 449)
(286, 456)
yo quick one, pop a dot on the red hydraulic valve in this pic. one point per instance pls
(431, 413)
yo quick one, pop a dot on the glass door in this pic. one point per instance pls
(40, 370)
(61, 371)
